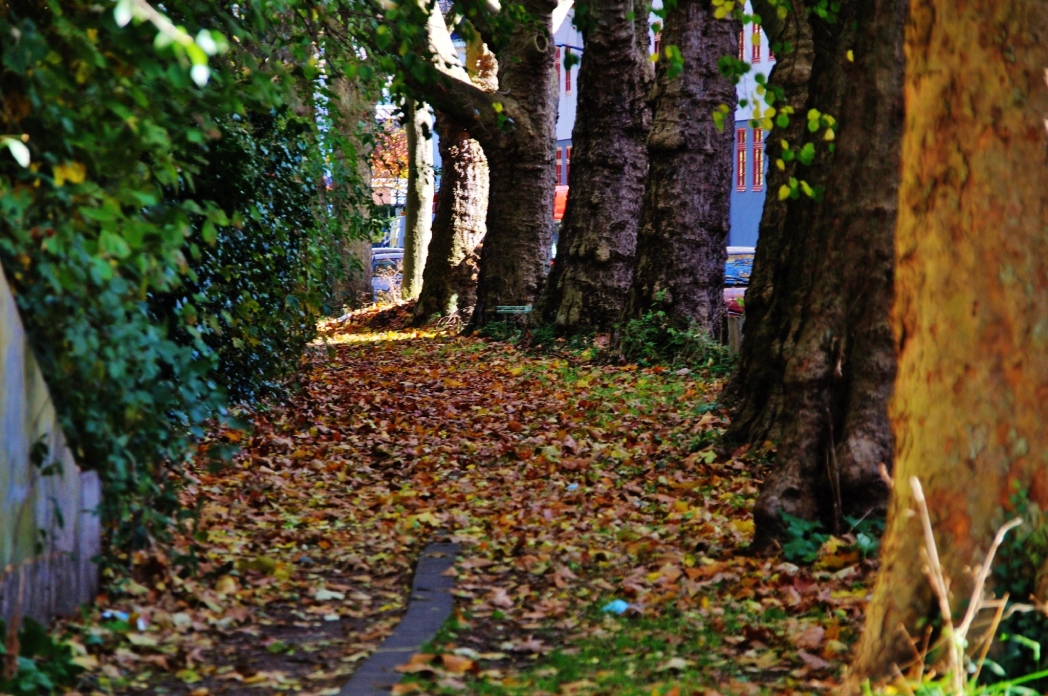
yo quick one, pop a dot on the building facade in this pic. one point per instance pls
(749, 161)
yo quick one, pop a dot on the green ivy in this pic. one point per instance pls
(44, 665)
(169, 243)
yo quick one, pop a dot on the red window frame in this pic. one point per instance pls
(758, 159)
(742, 45)
(567, 164)
(557, 63)
(560, 166)
(756, 39)
(740, 159)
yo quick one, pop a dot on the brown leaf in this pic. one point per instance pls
(457, 664)
(813, 661)
(811, 638)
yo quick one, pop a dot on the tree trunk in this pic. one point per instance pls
(516, 254)
(681, 244)
(515, 126)
(819, 356)
(450, 279)
(971, 289)
(591, 276)
(418, 210)
(756, 389)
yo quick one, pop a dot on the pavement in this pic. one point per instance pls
(429, 607)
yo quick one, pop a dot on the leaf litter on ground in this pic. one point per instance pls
(568, 481)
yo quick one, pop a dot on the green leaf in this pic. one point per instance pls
(209, 232)
(113, 245)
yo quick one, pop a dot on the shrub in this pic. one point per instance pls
(165, 243)
(653, 339)
(43, 665)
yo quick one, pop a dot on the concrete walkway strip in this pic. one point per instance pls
(429, 607)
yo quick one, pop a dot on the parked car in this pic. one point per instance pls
(386, 276)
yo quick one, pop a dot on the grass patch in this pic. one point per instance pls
(627, 655)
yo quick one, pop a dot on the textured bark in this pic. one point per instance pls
(515, 126)
(450, 279)
(757, 386)
(591, 275)
(418, 211)
(971, 289)
(681, 244)
(516, 254)
(818, 360)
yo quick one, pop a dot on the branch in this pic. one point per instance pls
(772, 25)
(455, 94)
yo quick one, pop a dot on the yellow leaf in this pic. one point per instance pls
(851, 56)
(784, 192)
(830, 135)
(143, 640)
(744, 526)
(73, 172)
(88, 662)
(226, 584)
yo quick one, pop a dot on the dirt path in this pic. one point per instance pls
(569, 485)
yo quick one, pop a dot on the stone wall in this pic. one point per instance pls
(49, 531)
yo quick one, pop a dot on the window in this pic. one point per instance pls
(567, 72)
(740, 159)
(758, 159)
(756, 38)
(560, 167)
(742, 46)
(658, 42)
(567, 164)
(557, 62)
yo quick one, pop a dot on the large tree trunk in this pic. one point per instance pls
(819, 356)
(516, 254)
(681, 244)
(757, 386)
(971, 289)
(591, 276)
(452, 266)
(418, 211)
(450, 279)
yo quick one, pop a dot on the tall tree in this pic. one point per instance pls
(818, 358)
(450, 280)
(971, 303)
(682, 240)
(515, 126)
(418, 211)
(591, 276)
(516, 253)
